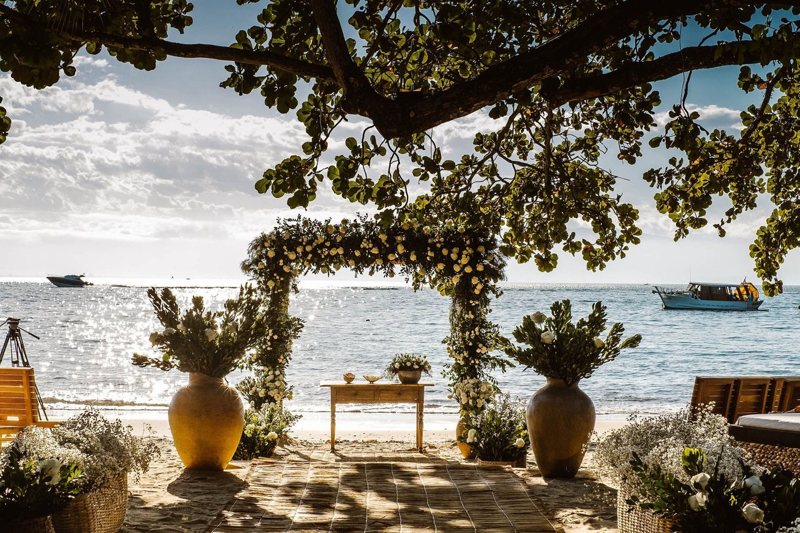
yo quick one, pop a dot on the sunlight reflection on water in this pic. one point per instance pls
(88, 335)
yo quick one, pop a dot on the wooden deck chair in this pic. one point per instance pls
(18, 403)
(750, 397)
(714, 390)
(789, 396)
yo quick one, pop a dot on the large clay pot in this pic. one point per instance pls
(206, 418)
(409, 377)
(560, 422)
(467, 451)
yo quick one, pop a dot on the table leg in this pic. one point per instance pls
(333, 422)
(420, 406)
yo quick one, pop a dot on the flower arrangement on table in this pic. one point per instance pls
(209, 342)
(43, 469)
(498, 432)
(557, 348)
(408, 362)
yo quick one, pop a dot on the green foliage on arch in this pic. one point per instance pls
(458, 261)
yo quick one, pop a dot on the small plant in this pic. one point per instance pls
(210, 342)
(32, 489)
(557, 348)
(264, 428)
(408, 361)
(706, 503)
(499, 432)
(108, 448)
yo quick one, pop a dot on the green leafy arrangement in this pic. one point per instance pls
(408, 361)
(756, 500)
(210, 342)
(499, 432)
(557, 348)
(32, 487)
(264, 429)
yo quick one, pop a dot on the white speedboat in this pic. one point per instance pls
(70, 280)
(712, 297)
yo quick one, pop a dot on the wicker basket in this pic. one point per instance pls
(100, 511)
(638, 520)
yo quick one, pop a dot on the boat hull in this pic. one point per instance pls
(688, 302)
(66, 282)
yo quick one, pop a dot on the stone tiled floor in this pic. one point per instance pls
(313, 489)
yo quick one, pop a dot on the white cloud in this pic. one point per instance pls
(723, 117)
(104, 160)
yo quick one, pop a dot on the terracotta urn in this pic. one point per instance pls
(560, 422)
(206, 418)
(467, 451)
(409, 377)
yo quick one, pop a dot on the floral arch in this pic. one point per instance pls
(459, 262)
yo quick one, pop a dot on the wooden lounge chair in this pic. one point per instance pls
(715, 391)
(750, 395)
(787, 394)
(18, 403)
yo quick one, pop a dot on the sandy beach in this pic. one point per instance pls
(168, 499)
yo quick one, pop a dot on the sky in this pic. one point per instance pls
(119, 173)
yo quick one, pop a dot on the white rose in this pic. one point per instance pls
(548, 337)
(539, 317)
(752, 513)
(699, 481)
(471, 434)
(697, 501)
(211, 334)
(51, 468)
(154, 338)
(598, 342)
(272, 436)
(754, 484)
(519, 443)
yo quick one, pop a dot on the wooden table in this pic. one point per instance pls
(372, 393)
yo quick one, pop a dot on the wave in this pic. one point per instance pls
(102, 402)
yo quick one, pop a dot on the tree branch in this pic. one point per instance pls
(698, 57)
(207, 51)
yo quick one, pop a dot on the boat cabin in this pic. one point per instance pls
(744, 292)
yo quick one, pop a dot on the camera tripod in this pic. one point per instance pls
(19, 357)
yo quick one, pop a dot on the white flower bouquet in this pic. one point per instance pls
(557, 348)
(408, 361)
(753, 501)
(37, 477)
(210, 342)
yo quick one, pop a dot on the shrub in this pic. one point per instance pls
(499, 432)
(264, 428)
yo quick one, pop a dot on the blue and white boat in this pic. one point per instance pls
(712, 297)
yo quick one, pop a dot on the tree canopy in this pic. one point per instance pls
(569, 83)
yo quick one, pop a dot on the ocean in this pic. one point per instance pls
(87, 336)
